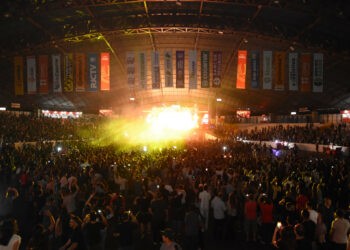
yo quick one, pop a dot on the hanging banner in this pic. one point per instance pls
(105, 77)
(317, 79)
(217, 62)
(279, 66)
(168, 68)
(93, 72)
(68, 73)
(293, 71)
(18, 75)
(180, 69)
(56, 74)
(43, 74)
(31, 75)
(205, 76)
(192, 69)
(267, 70)
(130, 68)
(305, 74)
(241, 69)
(143, 70)
(254, 60)
(155, 70)
(80, 72)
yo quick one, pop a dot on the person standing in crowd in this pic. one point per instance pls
(232, 212)
(309, 228)
(204, 205)
(193, 224)
(159, 211)
(321, 232)
(266, 210)
(340, 229)
(250, 218)
(68, 198)
(219, 209)
(76, 238)
(93, 224)
(301, 243)
(126, 231)
(9, 239)
(168, 240)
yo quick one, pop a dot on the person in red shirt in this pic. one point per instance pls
(301, 200)
(267, 222)
(250, 218)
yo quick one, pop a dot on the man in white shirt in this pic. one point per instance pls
(219, 208)
(313, 214)
(204, 199)
(339, 231)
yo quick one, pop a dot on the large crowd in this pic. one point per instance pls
(74, 195)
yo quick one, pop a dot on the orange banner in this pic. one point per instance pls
(43, 74)
(105, 77)
(18, 75)
(80, 72)
(241, 69)
(280, 71)
(305, 74)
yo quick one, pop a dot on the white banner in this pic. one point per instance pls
(168, 68)
(267, 70)
(31, 75)
(192, 69)
(130, 68)
(317, 82)
(56, 74)
(293, 71)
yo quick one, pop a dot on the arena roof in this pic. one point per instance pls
(49, 26)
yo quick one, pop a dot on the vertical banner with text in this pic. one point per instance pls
(105, 72)
(93, 72)
(293, 71)
(205, 76)
(155, 70)
(241, 69)
(130, 68)
(317, 79)
(56, 74)
(217, 63)
(80, 72)
(279, 66)
(143, 70)
(43, 74)
(255, 66)
(18, 75)
(68, 73)
(192, 69)
(180, 69)
(305, 74)
(267, 70)
(168, 68)
(31, 75)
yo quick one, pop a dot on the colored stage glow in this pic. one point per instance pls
(161, 127)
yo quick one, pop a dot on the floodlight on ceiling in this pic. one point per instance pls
(178, 3)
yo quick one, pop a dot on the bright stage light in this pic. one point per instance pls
(174, 118)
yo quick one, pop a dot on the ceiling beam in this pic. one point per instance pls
(199, 18)
(39, 26)
(101, 36)
(149, 25)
